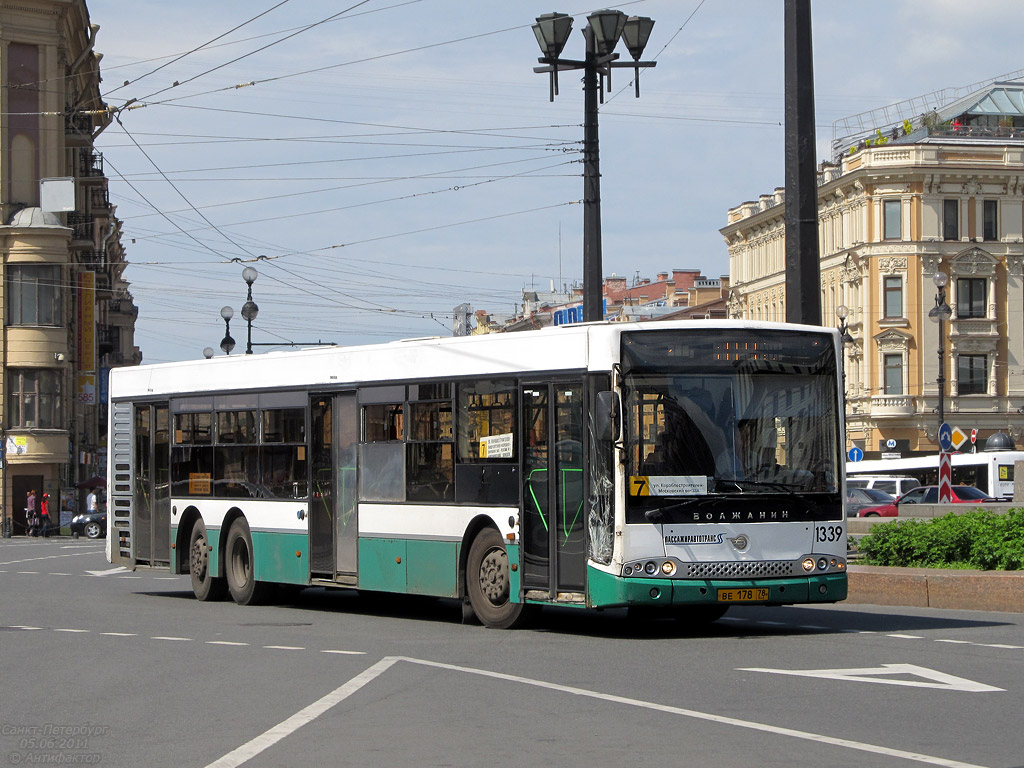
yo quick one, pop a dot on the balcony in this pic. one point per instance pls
(82, 230)
(77, 129)
(99, 199)
(90, 167)
(891, 406)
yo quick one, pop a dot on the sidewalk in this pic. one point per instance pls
(937, 588)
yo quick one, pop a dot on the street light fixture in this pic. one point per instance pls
(844, 329)
(227, 343)
(249, 309)
(938, 313)
(602, 34)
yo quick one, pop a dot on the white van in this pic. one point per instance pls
(897, 485)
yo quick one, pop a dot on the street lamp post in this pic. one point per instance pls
(602, 34)
(938, 313)
(227, 343)
(249, 309)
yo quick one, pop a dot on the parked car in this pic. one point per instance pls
(92, 525)
(859, 498)
(927, 494)
(895, 485)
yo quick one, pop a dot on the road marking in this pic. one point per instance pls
(905, 637)
(28, 573)
(958, 642)
(120, 634)
(47, 557)
(29, 629)
(348, 653)
(167, 637)
(58, 629)
(223, 642)
(285, 647)
(778, 730)
(879, 675)
(285, 728)
(108, 571)
(1000, 645)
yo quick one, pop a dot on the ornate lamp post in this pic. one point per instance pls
(227, 343)
(938, 313)
(602, 34)
(249, 309)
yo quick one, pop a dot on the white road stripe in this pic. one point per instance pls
(59, 629)
(166, 637)
(287, 727)
(120, 634)
(223, 642)
(347, 653)
(285, 647)
(48, 557)
(905, 637)
(806, 735)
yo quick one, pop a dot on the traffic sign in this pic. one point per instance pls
(945, 479)
(958, 437)
(890, 443)
(855, 454)
(974, 435)
(946, 437)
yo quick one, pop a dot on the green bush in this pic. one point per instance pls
(977, 539)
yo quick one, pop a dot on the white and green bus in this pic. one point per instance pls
(675, 466)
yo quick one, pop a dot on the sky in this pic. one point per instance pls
(380, 162)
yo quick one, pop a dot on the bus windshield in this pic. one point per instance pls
(753, 414)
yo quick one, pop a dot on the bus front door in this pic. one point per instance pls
(333, 525)
(553, 532)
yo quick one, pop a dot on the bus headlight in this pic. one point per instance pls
(808, 564)
(651, 568)
(668, 568)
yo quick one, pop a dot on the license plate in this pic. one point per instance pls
(757, 595)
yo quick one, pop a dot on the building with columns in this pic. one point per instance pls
(913, 218)
(67, 314)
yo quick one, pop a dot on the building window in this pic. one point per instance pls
(891, 214)
(991, 220)
(35, 399)
(893, 367)
(972, 374)
(893, 302)
(33, 294)
(970, 297)
(950, 219)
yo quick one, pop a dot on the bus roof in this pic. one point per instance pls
(588, 346)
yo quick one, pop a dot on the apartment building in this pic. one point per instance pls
(67, 313)
(921, 238)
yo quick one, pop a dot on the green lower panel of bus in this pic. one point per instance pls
(606, 590)
(412, 566)
(280, 557)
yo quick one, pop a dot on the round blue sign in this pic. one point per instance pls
(855, 454)
(945, 437)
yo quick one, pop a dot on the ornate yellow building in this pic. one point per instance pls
(66, 311)
(912, 220)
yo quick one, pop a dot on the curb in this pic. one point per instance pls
(937, 588)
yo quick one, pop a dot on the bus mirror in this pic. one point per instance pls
(606, 416)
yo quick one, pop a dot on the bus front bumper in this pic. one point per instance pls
(607, 591)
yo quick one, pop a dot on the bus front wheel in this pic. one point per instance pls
(239, 564)
(205, 586)
(488, 582)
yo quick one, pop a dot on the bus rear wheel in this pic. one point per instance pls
(489, 582)
(239, 565)
(205, 586)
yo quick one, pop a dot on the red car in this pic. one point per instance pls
(927, 494)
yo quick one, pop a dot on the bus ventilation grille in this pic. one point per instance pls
(740, 570)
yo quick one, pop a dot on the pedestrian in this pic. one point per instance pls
(44, 515)
(30, 512)
(90, 502)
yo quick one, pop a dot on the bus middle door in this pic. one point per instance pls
(333, 524)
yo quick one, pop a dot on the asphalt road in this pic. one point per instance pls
(101, 666)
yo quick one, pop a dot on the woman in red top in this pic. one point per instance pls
(44, 515)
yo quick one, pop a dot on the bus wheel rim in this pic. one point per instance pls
(494, 581)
